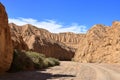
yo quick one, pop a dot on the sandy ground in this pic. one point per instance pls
(70, 71)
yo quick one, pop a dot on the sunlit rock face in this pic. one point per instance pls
(101, 44)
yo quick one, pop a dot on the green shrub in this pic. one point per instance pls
(26, 60)
(37, 59)
(20, 61)
(51, 62)
(56, 61)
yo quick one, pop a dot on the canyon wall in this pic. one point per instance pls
(101, 44)
(6, 50)
(60, 46)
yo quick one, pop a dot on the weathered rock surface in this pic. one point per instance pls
(17, 39)
(42, 41)
(100, 44)
(69, 39)
(50, 48)
(6, 50)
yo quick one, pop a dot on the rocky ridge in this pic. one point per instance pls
(70, 39)
(43, 41)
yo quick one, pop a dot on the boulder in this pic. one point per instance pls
(50, 48)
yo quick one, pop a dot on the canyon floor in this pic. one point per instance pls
(70, 71)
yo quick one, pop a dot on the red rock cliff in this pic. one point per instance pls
(6, 50)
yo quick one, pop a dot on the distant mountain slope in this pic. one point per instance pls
(70, 39)
(61, 46)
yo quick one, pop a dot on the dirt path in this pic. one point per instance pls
(70, 71)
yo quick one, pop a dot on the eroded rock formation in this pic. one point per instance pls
(50, 48)
(69, 39)
(17, 39)
(42, 41)
(6, 50)
(101, 44)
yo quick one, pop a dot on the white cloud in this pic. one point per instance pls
(50, 25)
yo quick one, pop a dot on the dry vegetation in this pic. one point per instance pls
(28, 60)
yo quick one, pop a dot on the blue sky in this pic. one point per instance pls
(63, 15)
